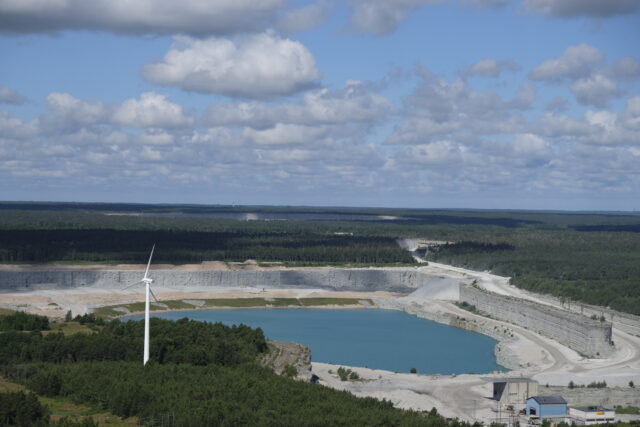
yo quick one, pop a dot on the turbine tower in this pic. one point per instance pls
(147, 282)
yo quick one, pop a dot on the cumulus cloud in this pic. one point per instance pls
(256, 66)
(626, 68)
(491, 68)
(595, 90)
(354, 103)
(305, 18)
(10, 96)
(382, 16)
(438, 109)
(575, 62)
(582, 8)
(286, 134)
(151, 110)
(195, 17)
(70, 112)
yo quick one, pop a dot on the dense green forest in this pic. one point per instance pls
(202, 374)
(588, 257)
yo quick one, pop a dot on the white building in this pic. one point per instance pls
(592, 415)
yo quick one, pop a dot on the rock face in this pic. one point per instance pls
(359, 279)
(587, 336)
(607, 397)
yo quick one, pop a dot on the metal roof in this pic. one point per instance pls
(549, 400)
(591, 408)
(509, 380)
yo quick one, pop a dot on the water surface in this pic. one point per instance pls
(373, 338)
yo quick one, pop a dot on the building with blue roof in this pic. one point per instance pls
(546, 406)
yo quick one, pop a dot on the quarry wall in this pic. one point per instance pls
(362, 279)
(587, 336)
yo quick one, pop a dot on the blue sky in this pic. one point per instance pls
(530, 104)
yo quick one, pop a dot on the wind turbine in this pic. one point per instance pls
(147, 281)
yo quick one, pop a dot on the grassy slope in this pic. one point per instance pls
(110, 311)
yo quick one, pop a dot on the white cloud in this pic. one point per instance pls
(575, 62)
(578, 8)
(438, 109)
(286, 134)
(10, 96)
(525, 97)
(151, 110)
(156, 138)
(257, 66)
(626, 68)
(12, 127)
(595, 90)
(491, 68)
(196, 17)
(354, 103)
(383, 16)
(68, 111)
(305, 18)
(631, 113)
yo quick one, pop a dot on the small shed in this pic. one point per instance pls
(546, 406)
(587, 415)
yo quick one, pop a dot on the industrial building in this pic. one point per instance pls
(587, 415)
(546, 406)
(512, 393)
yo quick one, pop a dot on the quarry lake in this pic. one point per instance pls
(373, 338)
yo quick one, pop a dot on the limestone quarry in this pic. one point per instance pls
(537, 335)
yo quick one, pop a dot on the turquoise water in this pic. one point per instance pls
(373, 338)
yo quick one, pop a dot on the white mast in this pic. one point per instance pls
(145, 358)
(147, 282)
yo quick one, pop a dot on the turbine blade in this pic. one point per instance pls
(131, 285)
(149, 264)
(153, 295)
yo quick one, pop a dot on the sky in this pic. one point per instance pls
(489, 104)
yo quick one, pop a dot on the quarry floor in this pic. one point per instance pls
(462, 396)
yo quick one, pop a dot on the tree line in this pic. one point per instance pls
(178, 246)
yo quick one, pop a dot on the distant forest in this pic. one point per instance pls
(588, 257)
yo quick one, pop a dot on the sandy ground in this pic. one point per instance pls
(462, 396)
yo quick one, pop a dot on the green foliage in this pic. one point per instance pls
(290, 371)
(413, 371)
(632, 410)
(466, 306)
(178, 246)
(214, 395)
(572, 384)
(597, 384)
(183, 341)
(89, 319)
(22, 409)
(631, 384)
(21, 321)
(346, 374)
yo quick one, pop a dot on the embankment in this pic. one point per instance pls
(587, 336)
